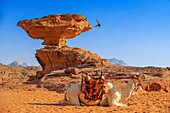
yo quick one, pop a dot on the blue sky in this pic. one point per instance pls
(135, 31)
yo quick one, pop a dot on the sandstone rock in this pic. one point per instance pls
(156, 71)
(155, 87)
(15, 74)
(157, 84)
(71, 70)
(63, 57)
(55, 29)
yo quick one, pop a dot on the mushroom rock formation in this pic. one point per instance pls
(54, 30)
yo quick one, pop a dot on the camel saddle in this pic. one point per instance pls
(93, 88)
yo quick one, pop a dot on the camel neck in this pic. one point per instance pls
(127, 91)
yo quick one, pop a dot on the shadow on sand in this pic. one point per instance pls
(47, 104)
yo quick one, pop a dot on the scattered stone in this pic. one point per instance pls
(71, 70)
(157, 84)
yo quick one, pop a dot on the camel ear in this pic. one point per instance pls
(131, 76)
(145, 76)
(137, 75)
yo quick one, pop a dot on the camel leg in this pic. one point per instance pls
(139, 89)
(119, 104)
(116, 103)
(104, 101)
(73, 93)
(64, 102)
(73, 99)
(114, 98)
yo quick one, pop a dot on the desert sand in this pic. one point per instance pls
(28, 97)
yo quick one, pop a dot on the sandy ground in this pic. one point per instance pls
(30, 99)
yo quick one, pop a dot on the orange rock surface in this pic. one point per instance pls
(20, 95)
(25, 97)
(58, 58)
(54, 29)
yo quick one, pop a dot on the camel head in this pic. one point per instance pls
(138, 78)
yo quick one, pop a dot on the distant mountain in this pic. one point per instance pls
(116, 61)
(14, 63)
(24, 64)
(17, 64)
(1, 64)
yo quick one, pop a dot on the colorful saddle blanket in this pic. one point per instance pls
(93, 88)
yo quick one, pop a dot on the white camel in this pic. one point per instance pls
(74, 96)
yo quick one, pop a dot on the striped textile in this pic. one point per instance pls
(93, 88)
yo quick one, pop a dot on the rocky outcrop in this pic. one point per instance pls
(55, 29)
(52, 59)
(72, 70)
(157, 84)
(17, 74)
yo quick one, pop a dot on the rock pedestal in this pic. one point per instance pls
(54, 30)
(59, 58)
